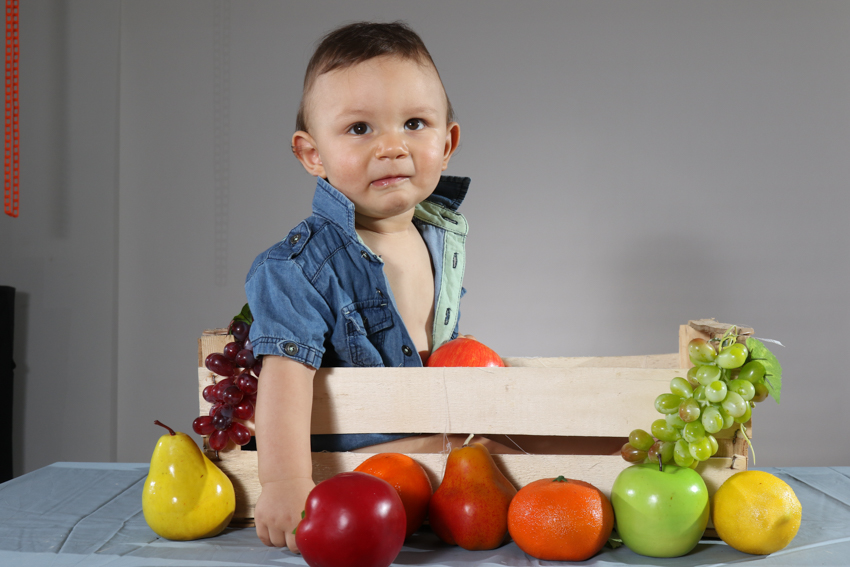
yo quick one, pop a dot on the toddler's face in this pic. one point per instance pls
(378, 133)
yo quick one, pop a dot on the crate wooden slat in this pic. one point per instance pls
(637, 361)
(522, 401)
(569, 396)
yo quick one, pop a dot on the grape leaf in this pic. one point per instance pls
(772, 368)
(244, 315)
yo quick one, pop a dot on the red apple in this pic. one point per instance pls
(464, 351)
(352, 519)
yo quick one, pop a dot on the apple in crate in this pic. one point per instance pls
(464, 351)
(660, 511)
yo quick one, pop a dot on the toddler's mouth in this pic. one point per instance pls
(389, 180)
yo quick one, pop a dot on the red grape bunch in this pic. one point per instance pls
(234, 394)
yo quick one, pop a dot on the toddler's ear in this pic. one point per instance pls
(452, 141)
(304, 148)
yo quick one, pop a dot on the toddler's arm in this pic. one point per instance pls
(282, 421)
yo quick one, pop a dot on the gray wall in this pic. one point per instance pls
(635, 164)
(61, 252)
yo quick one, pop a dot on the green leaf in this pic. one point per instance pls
(614, 541)
(772, 368)
(244, 316)
(303, 512)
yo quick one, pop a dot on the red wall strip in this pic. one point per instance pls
(11, 162)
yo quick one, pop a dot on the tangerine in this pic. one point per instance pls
(560, 519)
(410, 481)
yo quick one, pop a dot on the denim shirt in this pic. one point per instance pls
(320, 296)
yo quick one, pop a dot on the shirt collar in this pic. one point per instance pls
(330, 203)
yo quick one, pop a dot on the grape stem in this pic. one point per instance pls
(731, 335)
(750, 443)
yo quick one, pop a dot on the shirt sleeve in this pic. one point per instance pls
(291, 318)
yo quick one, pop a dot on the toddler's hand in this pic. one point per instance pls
(279, 510)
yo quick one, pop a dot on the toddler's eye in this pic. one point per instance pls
(359, 129)
(414, 124)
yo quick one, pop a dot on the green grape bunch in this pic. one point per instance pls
(727, 380)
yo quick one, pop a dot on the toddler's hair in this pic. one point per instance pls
(358, 42)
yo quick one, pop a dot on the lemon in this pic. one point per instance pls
(756, 512)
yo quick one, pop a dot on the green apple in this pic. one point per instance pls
(660, 512)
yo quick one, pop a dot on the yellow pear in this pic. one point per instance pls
(185, 496)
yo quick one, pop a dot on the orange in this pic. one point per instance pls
(560, 519)
(410, 481)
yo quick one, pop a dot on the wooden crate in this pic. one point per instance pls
(590, 397)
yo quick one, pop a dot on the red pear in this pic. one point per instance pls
(470, 507)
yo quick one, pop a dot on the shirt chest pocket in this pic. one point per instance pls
(366, 325)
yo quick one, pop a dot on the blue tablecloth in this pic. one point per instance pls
(90, 514)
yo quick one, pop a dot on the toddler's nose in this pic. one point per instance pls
(392, 146)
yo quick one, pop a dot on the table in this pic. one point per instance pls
(90, 514)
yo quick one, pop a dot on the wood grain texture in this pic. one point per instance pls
(638, 361)
(714, 328)
(211, 342)
(579, 401)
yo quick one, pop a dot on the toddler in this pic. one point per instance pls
(374, 276)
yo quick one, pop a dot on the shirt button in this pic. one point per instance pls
(406, 350)
(295, 238)
(291, 349)
(364, 254)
